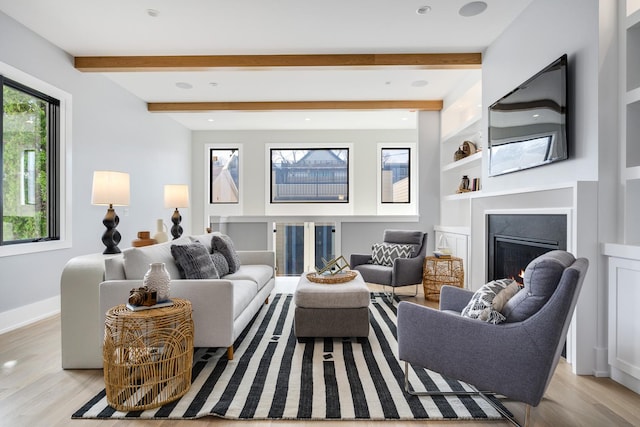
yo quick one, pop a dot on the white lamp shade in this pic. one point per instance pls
(110, 188)
(176, 196)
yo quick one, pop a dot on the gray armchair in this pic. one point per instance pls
(404, 271)
(515, 359)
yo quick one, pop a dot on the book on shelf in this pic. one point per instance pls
(132, 307)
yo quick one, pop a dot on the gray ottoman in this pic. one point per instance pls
(336, 310)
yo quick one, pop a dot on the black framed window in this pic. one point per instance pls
(30, 165)
(224, 175)
(395, 185)
(317, 175)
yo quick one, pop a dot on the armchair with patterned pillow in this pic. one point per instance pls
(397, 261)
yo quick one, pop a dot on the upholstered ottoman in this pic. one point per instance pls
(331, 310)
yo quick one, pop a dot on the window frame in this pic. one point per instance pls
(399, 208)
(59, 182)
(222, 209)
(310, 208)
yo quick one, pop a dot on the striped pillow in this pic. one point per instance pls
(386, 253)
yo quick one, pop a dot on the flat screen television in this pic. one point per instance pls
(528, 126)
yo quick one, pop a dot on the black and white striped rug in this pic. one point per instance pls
(273, 376)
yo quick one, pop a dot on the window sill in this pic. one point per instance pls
(32, 248)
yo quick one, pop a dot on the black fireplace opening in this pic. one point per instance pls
(515, 240)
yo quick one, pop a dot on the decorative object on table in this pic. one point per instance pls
(144, 239)
(161, 231)
(157, 277)
(333, 266)
(148, 355)
(110, 189)
(176, 196)
(441, 271)
(464, 185)
(443, 245)
(143, 296)
(332, 279)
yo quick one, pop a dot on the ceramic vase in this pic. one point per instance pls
(161, 234)
(157, 277)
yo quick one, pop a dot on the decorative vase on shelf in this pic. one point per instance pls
(161, 232)
(157, 277)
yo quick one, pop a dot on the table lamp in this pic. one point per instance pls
(110, 189)
(176, 196)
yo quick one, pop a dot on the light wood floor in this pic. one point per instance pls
(35, 391)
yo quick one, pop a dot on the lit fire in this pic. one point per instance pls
(520, 276)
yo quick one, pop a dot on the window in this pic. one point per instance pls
(224, 175)
(310, 175)
(395, 182)
(30, 163)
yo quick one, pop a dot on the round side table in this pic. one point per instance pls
(147, 355)
(441, 271)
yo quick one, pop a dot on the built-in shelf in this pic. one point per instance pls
(469, 127)
(633, 96)
(462, 196)
(474, 158)
(631, 173)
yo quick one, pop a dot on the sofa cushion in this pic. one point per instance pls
(223, 244)
(259, 274)
(194, 262)
(374, 273)
(386, 253)
(221, 263)
(205, 239)
(541, 278)
(481, 304)
(137, 260)
(243, 293)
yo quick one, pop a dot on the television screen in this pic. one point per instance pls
(528, 126)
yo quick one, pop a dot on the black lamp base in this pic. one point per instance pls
(111, 237)
(176, 230)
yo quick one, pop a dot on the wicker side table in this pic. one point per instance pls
(147, 355)
(441, 271)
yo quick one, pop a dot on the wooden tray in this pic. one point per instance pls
(332, 279)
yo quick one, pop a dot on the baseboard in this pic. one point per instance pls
(625, 379)
(27, 314)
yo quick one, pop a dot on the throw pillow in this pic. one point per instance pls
(223, 244)
(386, 253)
(194, 262)
(480, 306)
(505, 295)
(221, 263)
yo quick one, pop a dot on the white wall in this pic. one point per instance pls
(111, 129)
(356, 236)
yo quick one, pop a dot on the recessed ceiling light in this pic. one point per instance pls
(214, 84)
(210, 120)
(404, 118)
(307, 119)
(423, 10)
(153, 13)
(419, 83)
(472, 9)
(184, 85)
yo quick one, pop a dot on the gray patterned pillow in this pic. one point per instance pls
(386, 253)
(481, 304)
(223, 244)
(221, 263)
(193, 261)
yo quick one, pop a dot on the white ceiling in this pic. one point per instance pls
(268, 27)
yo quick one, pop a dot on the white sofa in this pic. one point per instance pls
(222, 308)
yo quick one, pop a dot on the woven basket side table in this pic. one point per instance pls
(147, 355)
(441, 271)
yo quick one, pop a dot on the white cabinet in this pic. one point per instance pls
(457, 240)
(624, 323)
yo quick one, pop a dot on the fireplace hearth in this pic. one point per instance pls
(514, 240)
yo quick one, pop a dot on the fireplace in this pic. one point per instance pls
(515, 240)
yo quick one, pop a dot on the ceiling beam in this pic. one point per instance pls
(207, 62)
(166, 107)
